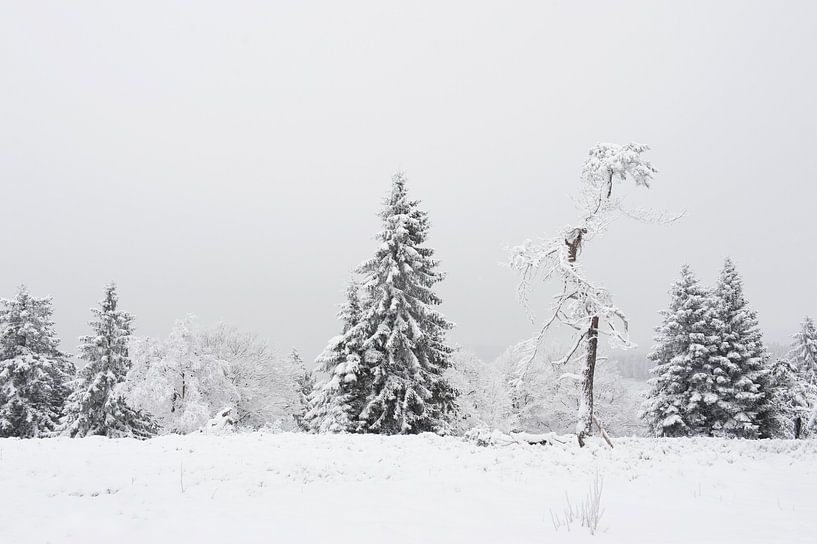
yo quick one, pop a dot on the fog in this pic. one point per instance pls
(228, 160)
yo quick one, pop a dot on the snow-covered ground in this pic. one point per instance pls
(305, 488)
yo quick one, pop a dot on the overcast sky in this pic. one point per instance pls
(228, 159)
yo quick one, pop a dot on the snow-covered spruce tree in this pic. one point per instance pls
(304, 384)
(792, 401)
(34, 373)
(334, 405)
(682, 387)
(96, 406)
(796, 390)
(803, 353)
(740, 368)
(582, 305)
(406, 351)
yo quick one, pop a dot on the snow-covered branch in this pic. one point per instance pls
(582, 304)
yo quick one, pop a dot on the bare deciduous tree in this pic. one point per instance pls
(583, 305)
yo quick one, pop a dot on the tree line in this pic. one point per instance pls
(138, 387)
(385, 372)
(713, 375)
(391, 369)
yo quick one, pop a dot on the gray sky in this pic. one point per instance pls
(228, 159)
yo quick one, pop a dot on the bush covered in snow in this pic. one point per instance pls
(187, 378)
(493, 397)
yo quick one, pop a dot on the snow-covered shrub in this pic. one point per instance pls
(186, 379)
(481, 437)
(222, 423)
(267, 385)
(485, 398)
(548, 399)
(545, 399)
(178, 380)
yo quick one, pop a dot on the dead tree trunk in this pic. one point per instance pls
(573, 241)
(583, 428)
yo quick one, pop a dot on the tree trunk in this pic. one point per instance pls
(574, 242)
(583, 427)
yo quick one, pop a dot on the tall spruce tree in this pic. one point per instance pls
(335, 404)
(406, 352)
(34, 373)
(96, 407)
(741, 367)
(682, 389)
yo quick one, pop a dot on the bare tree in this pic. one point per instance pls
(582, 305)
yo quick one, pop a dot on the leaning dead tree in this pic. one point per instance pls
(582, 305)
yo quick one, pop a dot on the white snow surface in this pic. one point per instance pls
(265, 487)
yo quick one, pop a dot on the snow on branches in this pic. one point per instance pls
(196, 373)
(582, 304)
(95, 407)
(34, 373)
(556, 258)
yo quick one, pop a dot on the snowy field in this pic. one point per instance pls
(307, 488)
